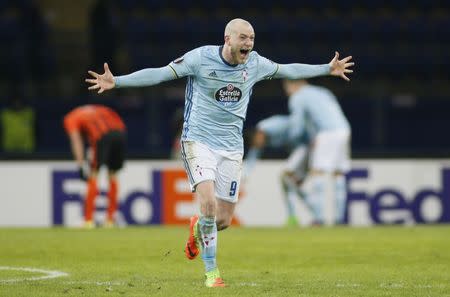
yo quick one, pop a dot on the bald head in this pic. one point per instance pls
(236, 26)
(239, 41)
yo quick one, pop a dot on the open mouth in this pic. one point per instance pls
(244, 51)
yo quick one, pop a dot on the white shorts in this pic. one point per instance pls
(203, 163)
(297, 162)
(331, 151)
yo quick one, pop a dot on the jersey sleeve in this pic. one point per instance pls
(301, 71)
(145, 77)
(266, 68)
(188, 64)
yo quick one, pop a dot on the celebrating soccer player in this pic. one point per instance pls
(219, 85)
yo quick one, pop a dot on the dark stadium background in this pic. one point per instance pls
(398, 101)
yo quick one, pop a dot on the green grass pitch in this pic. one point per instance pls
(149, 261)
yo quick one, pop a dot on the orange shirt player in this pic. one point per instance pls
(104, 131)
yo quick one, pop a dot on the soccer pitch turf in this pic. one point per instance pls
(149, 261)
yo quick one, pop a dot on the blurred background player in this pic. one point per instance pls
(104, 131)
(274, 132)
(329, 157)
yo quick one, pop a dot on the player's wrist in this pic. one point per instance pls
(116, 82)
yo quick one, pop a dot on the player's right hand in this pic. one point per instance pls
(102, 82)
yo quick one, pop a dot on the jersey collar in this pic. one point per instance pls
(223, 60)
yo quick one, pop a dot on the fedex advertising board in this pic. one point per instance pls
(379, 192)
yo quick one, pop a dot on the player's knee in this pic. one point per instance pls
(338, 174)
(223, 223)
(287, 177)
(287, 174)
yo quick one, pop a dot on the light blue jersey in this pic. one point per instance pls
(277, 130)
(217, 95)
(318, 107)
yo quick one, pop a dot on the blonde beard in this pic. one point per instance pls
(236, 56)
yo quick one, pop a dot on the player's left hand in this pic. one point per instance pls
(101, 82)
(341, 67)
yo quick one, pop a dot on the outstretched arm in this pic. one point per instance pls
(142, 78)
(336, 67)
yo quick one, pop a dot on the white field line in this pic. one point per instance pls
(48, 274)
(247, 284)
(98, 283)
(341, 285)
(385, 285)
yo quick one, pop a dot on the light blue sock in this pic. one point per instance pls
(288, 189)
(340, 190)
(302, 195)
(208, 233)
(316, 197)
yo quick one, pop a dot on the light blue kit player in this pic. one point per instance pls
(330, 153)
(275, 132)
(219, 84)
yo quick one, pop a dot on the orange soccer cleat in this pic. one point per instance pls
(191, 249)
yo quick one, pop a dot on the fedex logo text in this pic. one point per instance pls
(390, 201)
(162, 201)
